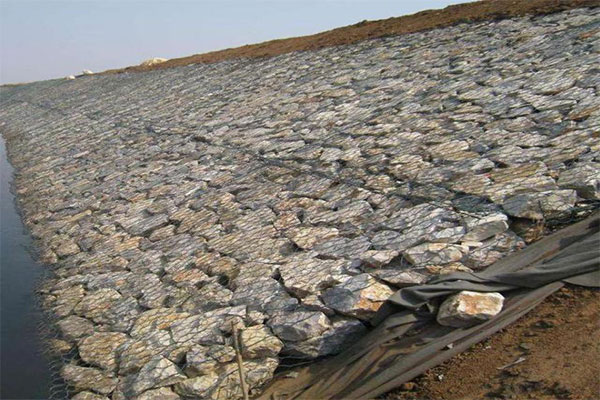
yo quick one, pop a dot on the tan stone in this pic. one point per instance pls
(469, 308)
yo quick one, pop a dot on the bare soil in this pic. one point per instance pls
(424, 20)
(558, 344)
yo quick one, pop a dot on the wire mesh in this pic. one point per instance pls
(173, 204)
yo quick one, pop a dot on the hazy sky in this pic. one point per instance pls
(49, 39)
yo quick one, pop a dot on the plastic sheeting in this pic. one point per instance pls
(407, 341)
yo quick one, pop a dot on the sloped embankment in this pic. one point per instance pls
(289, 197)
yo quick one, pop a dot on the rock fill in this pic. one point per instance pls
(288, 197)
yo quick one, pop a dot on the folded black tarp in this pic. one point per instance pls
(407, 341)
(577, 263)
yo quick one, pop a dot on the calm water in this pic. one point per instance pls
(24, 371)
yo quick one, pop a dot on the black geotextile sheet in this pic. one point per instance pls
(406, 340)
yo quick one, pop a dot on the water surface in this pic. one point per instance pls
(24, 370)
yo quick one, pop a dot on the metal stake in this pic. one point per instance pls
(240, 362)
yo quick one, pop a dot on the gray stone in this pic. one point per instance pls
(162, 393)
(95, 304)
(343, 247)
(343, 332)
(265, 295)
(154, 320)
(259, 342)
(314, 303)
(299, 325)
(479, 229)
(400, 278)
(88, 396)
(585, 179)
(134, 354)
(310, 276)
(67, 248)
(199, 362)
(308, 237)
(378, 258)
(198, 329)
(66, 299)
(73, 327)
(158, 372)
(437, 253)
(359, 296)
(83, 378)
(542, 205)
(140, 226)
(198, 387)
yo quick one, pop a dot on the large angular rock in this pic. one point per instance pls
(205, 360)
(479, 229)
(498, 192)
(265, 295)
(158, 372)
(134, 354)
(59, 347)
(111, 280)
(310, 276)
(399, 278)
(83, 378)
(154, 320)
(299, 325)
(468, 308)
(485, 253)
(162, 393)
(259, 342)
(95, 304)
(542, 205)
(359, 296)
(198, 387)
(88, 396)
(74, 327)
(343, 247)
(187, 277)
(122, 314)
(198, 329)
(100, 349)
(67, 299)
(308, 237)
(378, 258)
(210, 296)
(584, 178)
(154, 292)
(139, 225)
(314, 303)
(343, 331)
(435, 253)
(420, 218)
(67, 248)
(258, 372)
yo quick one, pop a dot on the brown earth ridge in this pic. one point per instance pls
(425, 20)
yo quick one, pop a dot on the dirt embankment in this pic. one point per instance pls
(555, 352)
(424, 20)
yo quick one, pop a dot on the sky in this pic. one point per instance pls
(44, 39)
